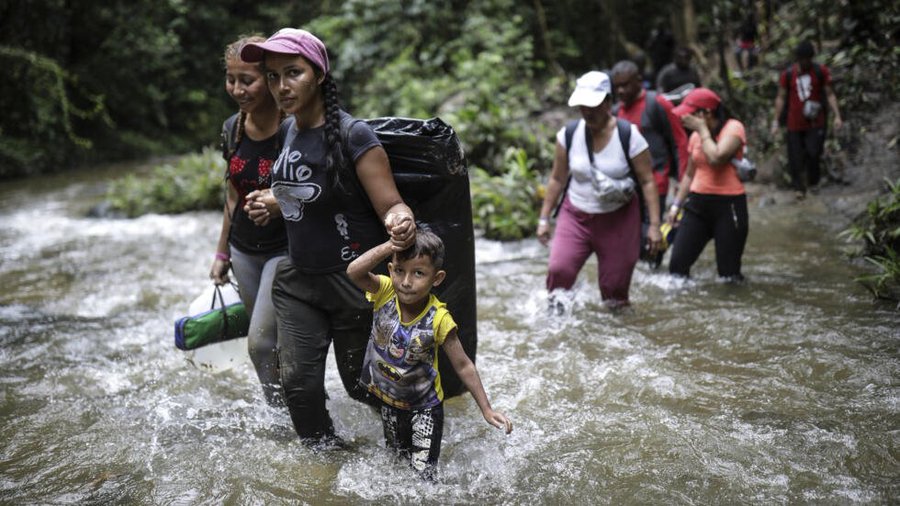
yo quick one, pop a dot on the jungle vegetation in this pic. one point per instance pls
(94, 82)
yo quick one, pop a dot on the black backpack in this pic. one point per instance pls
(654, 119)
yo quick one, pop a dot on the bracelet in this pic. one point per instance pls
(676, 203)
(543, 221)
(222, 256)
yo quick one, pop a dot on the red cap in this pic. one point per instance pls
(698, 98)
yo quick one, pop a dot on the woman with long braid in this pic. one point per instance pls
(338, 198)
(251, 251)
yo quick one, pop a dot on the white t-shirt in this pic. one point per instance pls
(610, 161)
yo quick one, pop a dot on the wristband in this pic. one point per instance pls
(222, 256)
(543, 221)
(676, 203)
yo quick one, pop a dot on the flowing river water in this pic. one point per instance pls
(783, 390)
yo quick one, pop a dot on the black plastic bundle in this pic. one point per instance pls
(430, 171)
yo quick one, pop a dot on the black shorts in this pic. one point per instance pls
(415, 435)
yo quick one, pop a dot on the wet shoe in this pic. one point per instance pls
(330, 442)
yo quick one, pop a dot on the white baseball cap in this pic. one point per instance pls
(590, 89)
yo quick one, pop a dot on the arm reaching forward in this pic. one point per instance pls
(466, 371)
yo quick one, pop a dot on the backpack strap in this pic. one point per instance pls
(569, 135)
(820, 78)
(624, 127)
(228, 140)
(657, 117)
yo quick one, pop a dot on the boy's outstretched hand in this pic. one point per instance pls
(498, 420)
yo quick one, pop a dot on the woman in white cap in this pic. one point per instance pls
(594, 177)
(338, 198)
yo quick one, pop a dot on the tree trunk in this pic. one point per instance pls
(721, 44)
(688, 23)
(544, 34)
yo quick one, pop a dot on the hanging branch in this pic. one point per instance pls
(55, 79)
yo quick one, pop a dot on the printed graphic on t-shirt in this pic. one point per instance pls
(400, 366)
(291, 187)
(240, 172)
(804, 87)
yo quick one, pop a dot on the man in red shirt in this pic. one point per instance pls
(805, 85)
(652, 114)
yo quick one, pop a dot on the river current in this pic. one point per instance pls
(785, 389)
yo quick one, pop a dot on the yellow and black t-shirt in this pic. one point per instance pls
(401, 363)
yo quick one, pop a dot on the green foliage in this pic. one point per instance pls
(506, 205)
(193, 182)
(423, 59)
(46, 112)
(879, 230)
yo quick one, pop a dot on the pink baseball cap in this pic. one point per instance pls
(289, 41)
(698, 98)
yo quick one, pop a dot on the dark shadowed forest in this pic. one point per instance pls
(93, 82)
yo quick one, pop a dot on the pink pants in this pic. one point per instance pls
(615, 237)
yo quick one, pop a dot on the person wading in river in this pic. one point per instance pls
(711, 197)
(335, 208)
(599, 212)
(653, 116)
(250, 143)
(801, 90)
(401, 366)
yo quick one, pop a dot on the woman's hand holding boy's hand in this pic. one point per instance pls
(498, 420)
(401, 228)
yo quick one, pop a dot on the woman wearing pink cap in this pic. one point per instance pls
(716, 207)
(338, 199)
(594, 175)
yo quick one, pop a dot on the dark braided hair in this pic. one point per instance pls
(722, 114)
(334, 155)
(239, 131)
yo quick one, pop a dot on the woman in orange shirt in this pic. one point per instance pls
(716, 207)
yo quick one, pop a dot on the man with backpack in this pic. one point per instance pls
(803, 87)
(652, 114)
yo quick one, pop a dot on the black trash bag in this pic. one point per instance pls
(430, 170)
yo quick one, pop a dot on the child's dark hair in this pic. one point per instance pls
(427, 243)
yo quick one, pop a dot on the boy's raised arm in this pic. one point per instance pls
(360, 270)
